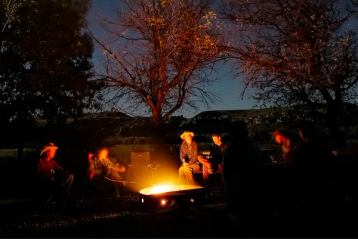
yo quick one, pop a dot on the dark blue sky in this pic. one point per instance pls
(226, 88)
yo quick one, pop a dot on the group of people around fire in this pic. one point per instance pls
(305, 147)
(193, 162)
(231, 160)
(59, 181)
(239, 161)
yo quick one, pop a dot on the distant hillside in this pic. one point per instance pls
(209, 120)
(261, 122)
(119, 128)
(219, 120)
(106, 115)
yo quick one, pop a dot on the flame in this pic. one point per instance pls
(164, 188)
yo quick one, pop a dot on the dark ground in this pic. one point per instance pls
(103, 216)
(333, 213)
(128, 218)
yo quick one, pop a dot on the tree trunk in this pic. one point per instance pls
(332, 116)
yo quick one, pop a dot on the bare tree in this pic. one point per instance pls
(297, 51)
(158, 54)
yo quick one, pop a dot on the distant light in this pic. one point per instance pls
(142, 200)
(192, 200)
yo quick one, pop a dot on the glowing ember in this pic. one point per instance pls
(164, 188)
(163, 202)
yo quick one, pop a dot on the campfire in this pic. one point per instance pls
(167, 188)
(167, 195)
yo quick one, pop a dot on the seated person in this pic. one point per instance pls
(286, 141)
(212, 163)
(103, 165)
(94, 167)
(313, 149)
(52, 174)
(189, 158)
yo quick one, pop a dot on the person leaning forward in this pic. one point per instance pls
(52, 174)
(189, 158)
(213, 162)
(104, 165)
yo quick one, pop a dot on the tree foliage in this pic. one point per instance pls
(157, 54)
(45, 66)
(297, 51)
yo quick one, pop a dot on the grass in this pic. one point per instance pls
(8, 153)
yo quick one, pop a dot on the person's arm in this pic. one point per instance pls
(194, 151)
(201, 158)
(91, 172)
(183, 153)
(114, 166)
(106, 163)
(204, 161)
(120, 168)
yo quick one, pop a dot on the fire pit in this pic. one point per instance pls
(170, 195)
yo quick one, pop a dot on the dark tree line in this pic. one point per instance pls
(45, 64)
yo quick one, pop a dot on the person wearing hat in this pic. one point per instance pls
(189, 158)
(53, 174)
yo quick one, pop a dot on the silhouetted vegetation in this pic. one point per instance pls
(45, 65)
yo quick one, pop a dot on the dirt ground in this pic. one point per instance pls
(102, 216)
(97, 214)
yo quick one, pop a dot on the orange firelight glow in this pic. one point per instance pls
(163, 202)
(165, 188)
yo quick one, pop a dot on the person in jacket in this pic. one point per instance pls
(102, 165)
(286, 141)
(212, 163)
(52, 174)
(189, 158)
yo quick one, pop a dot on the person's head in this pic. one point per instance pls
(280, 136)
(90, 156)
(48, 151)
(103, 153)
(187, 136)
(216, 137)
